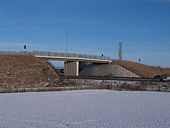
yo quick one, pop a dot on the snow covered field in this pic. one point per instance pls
(85, 109)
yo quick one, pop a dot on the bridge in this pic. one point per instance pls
(70, 57)
(73, 61)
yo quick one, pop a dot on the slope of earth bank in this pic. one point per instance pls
(25, 71)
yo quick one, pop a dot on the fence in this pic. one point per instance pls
(56, 54)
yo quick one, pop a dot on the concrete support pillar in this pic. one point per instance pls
(77, 68)
(71, 68)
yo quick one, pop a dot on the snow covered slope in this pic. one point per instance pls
(85, 109)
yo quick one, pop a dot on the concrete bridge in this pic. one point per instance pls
(73, 62)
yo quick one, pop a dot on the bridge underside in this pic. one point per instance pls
(73, 68)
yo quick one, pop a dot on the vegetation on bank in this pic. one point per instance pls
(142, 70)
(25, 71)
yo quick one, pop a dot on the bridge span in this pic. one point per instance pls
(73, 62)
(71, 57)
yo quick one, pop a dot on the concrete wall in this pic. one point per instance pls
(114, 70)
(71, 68)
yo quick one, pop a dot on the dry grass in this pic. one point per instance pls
(143, 70)
(17, 71)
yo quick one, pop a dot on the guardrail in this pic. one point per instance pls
(56, 54)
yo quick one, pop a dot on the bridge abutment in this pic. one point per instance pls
(71, 68)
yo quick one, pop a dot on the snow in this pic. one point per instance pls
(85, 109)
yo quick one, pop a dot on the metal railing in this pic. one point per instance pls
(58, 54)
(62, 54)
(54, 68)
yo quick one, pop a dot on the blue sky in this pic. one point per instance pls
(94, 27)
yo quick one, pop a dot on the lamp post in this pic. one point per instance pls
(66, 37)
